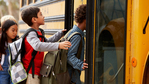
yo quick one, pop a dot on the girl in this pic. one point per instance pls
(9, 34)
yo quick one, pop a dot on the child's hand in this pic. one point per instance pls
(1, 69)
(64, 30)
(64, 45)
(85, 65)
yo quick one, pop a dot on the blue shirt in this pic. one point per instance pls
(75, 64)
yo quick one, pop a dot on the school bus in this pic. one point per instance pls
(117, 31)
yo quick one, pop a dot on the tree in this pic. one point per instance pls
(13, 7)
(3, 8)
(9, 7)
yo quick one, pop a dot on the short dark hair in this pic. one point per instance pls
(28, 13)
(80, 13)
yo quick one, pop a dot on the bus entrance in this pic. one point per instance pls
(109, 41)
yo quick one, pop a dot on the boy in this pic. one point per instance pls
(75, 65)
(34, 18)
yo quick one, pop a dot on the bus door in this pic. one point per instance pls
(109, 40)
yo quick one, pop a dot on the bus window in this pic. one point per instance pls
(30, 1)
(37, 0)
(109, 41)
(23, 3)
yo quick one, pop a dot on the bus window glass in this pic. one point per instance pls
(30, 1)
(23, 3)
(109, 41)
(37, 0)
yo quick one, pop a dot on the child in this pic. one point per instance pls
(7, 17)
(76, 65)
(34, 18)
(9, 33)
(4, 18)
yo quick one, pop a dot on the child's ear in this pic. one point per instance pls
(33, 19)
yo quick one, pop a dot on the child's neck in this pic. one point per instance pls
(34, 26)
(9, 40)
(81, 26)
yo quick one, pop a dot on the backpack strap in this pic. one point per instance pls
(43, 35)
(80, 45)
(32, 63)
(23, 37)
(34, 51)
(67, 33)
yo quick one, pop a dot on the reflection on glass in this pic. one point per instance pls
(109, 50)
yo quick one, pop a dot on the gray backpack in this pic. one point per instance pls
(54, 69)
(16, 50)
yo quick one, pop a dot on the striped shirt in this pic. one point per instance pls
(73, 61)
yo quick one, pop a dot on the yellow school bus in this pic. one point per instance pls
(117, 32)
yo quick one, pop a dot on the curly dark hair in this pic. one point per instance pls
(80, 13)
(28, 13)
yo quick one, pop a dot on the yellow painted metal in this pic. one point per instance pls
(53, 25)
(55, 9)
(78, 2)
(128, 42)
(27, 2)
(94, 42)
(20, 3)
(137, 44)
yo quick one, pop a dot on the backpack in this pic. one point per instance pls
(16, 52)
(54, 69)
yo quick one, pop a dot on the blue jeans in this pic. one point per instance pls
(4, 76)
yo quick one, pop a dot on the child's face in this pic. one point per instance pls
(12, 32)
(40, 19)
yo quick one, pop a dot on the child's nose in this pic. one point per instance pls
(15, 32)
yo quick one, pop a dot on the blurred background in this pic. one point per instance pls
(9, 7)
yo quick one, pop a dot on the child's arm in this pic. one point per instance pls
(37, 45)
(1, 69)
(72, 52)
(55, 37)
